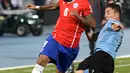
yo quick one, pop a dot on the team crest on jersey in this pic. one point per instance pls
(75, 5)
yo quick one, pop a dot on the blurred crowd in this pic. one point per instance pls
(11, 4)
(20, 4)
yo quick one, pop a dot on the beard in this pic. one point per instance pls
(68, 0)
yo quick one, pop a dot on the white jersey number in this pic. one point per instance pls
(66, 11)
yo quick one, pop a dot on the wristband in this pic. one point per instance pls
(37, 7)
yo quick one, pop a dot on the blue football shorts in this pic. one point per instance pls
(59, 55)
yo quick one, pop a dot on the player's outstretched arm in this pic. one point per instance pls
(43, 7)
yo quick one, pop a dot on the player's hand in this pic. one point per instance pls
(73, 12)
(31, 6)
(103, 22)
(117, 27)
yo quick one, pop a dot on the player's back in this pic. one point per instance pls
(108, 39)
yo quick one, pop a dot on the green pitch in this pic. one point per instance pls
(122, 66)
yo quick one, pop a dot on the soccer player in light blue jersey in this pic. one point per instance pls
(107, 45)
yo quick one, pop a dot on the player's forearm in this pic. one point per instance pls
(89, 21)
(47, 7)
(89, 33)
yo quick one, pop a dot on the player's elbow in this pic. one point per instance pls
(93, 26)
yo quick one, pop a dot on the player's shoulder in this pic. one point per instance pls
(82, 1)
(59, 1)
(113, 21)
(86, 1)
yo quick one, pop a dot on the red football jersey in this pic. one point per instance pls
(68, 28)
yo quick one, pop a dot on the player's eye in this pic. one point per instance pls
(108, 12)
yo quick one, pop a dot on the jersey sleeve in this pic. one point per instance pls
(59, 2)
(87, 8)
(113, 22)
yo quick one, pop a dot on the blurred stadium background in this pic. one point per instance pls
(19, 51)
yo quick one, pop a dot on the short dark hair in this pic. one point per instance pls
(116, 8)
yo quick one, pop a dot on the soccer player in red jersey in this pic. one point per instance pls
(62, 46)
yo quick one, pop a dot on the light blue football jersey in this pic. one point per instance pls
(108, 39)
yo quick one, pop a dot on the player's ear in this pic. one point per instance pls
(117, 15)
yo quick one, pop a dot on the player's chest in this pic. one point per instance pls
(65, 8)
(70, 6)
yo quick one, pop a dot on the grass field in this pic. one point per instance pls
(122, 66)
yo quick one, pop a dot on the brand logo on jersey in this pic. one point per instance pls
(75, 5)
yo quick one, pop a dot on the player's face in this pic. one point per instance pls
(110, 13)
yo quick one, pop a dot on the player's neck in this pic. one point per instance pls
(68, 1)
(118, 19)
